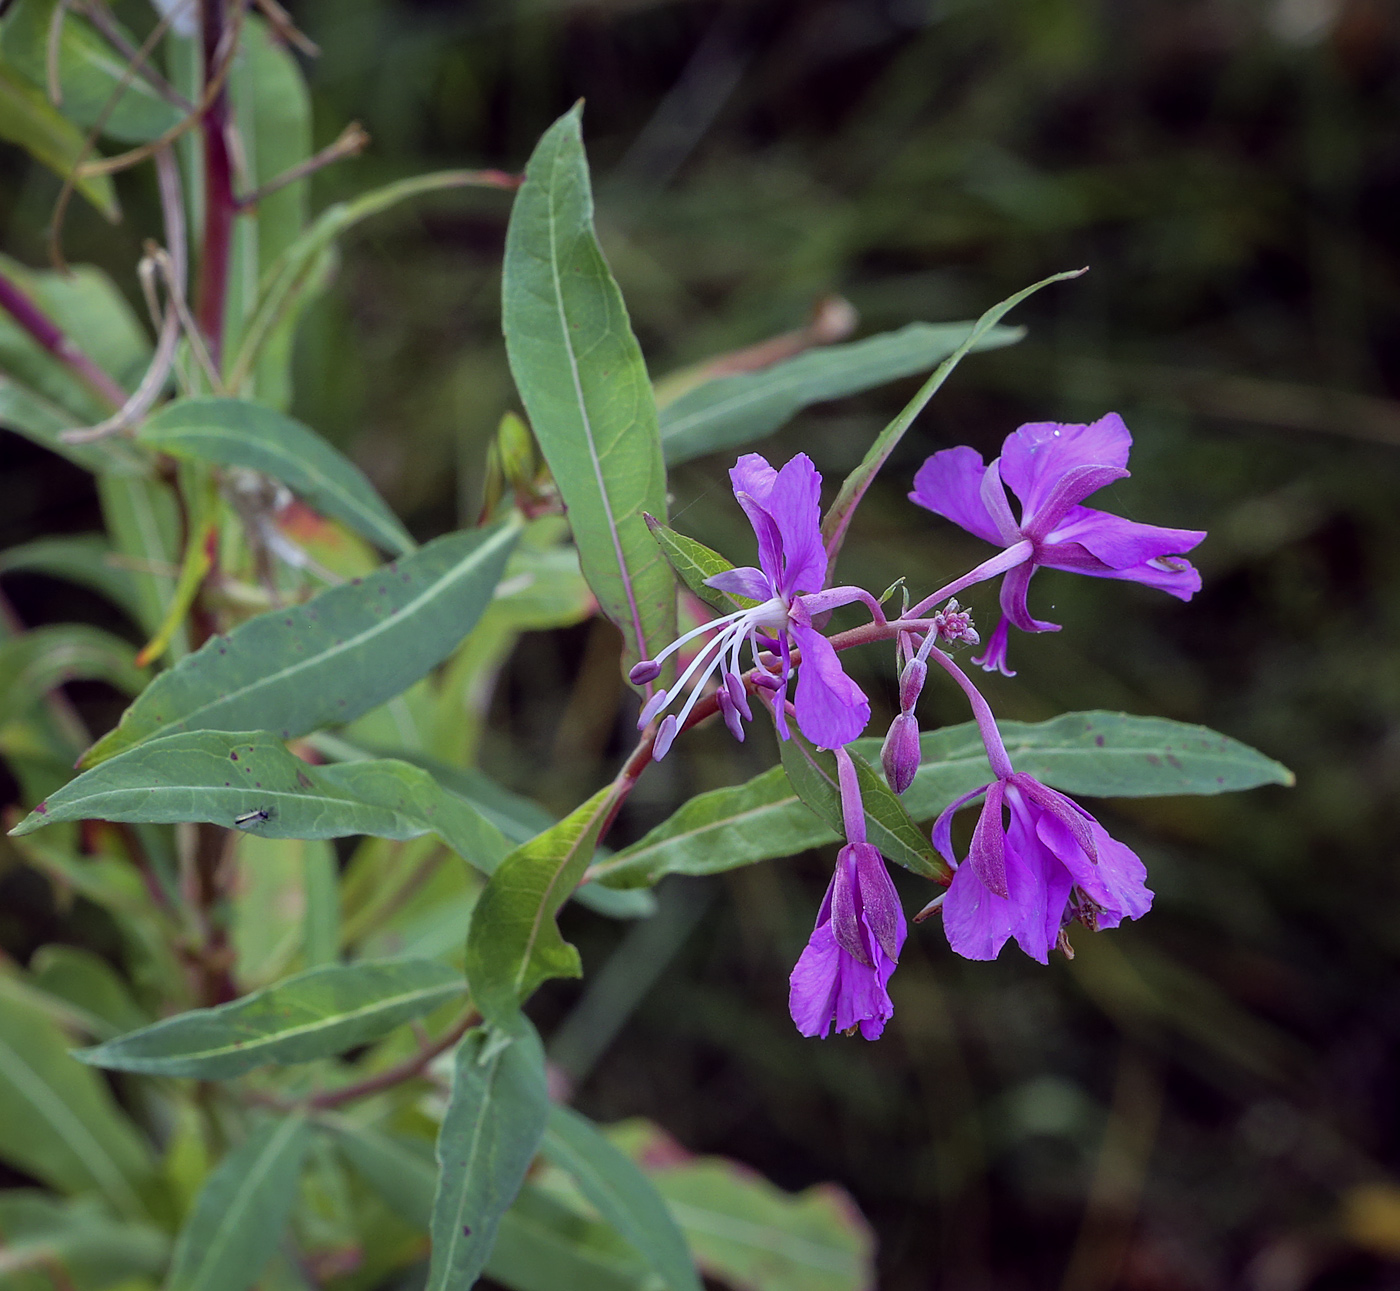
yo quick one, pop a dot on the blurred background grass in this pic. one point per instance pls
(1206, 1100)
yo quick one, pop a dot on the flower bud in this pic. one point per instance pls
(911, 683)
(900, 753)
(647, 670)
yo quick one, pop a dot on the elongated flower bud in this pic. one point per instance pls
(900, 753)
(911, 684)
(647, 670)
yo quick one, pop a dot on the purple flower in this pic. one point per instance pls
(784, 508)
(842, 976)
(1053, 863)
(1052, 468)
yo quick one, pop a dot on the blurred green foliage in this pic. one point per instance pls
(1194, 1101)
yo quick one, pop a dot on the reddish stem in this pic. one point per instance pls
(53, 338)
(220, 204)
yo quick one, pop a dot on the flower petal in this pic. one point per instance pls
(846, 926)
(1036, 456)
(796, 507)
(1120, 543)
(978, 922)
(831, 708)
(1118, 883)
(993, 658)
(812, 986)
(752, 479)
(1039, 883)
(950, 484)
(1014, 587)
(987, 854)
(744, 581)
(943, 826)
(879, 902)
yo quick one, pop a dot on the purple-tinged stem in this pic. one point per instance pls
(986, 723)
(1012, 556)
(220, 204)
(852, 808)
(53, 338)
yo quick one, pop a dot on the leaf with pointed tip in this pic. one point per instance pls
(46, 1237)
(83, 558)
(224, 777)
(621, 1194)
(34, 662)
(695, 562)
(235, 432)
(853, 488)
(495, 1119)
(331, 658)
(513, 943)
(316, 1014)
(812, 772)
(728, 412)
(237, 1222)
(580, 373)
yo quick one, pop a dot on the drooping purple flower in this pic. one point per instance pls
(784, 507)
(1052, 468)
(842, 976)
(1052, 864)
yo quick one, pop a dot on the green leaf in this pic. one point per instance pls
(89, 72)
(30, 120)
(41, 422)
(90, 984)
(238, 1217)
(622, 1195)
(34, 662)
(853, 487)
(44, 1236)
(222, 778)
(747, 1233)
(583, 381)
(303, 269)
(330, 659)
(267, 882)
(812, 772)
(58, 1120)
(694, 563)
(83, 558)
(316, 1014)
(495, 1118)
(401, 1170)
(514, 943)
(729, 412)
(233, 432)
(144, 523)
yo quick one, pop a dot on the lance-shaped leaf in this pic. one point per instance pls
(330, 659)
(30, 120)
(695, 562)
(731, 411)
(237, 1221)
(234, 432)
(46, 1237)
(812, 772)
(514, 943)
(622, 1195)
(581, 376)
(34, 662)
(249, 780)
(83, 558)
(316, 1014)
(495, 1118)
(853, 488)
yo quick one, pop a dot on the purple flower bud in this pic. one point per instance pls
(730, 713)
(911, 684)
(738, 695)
(647, 670)
(900, 753)
(665, 737)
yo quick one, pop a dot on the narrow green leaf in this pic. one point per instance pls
(622, 1195)
(142, 518)
(729, 412)
(321, 875)
(83, 558)
(855, 484)
(316, 1014)
(495, 1119)
(226, 778)
(514, 943)
(34, 662)
(58, 1120)
(330, 659)
(41, 421)
(401, 1170)
(30, 120)
(694, 563)
(234, 432)
(812, 772)
(44, 1236)
(89, 72)
(90, 984)
(238, 1218)
(584, 383)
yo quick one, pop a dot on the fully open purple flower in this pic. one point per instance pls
(1052, 468)
(843, 974)
(1028, 879)
(784, 507)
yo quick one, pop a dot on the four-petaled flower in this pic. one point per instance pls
(1028, 879)
(842, 975)
(784, 507)
(1051, 469)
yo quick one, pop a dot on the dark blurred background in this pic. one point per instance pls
(1208, 1099)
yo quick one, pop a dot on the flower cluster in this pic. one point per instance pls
(1037, 861)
